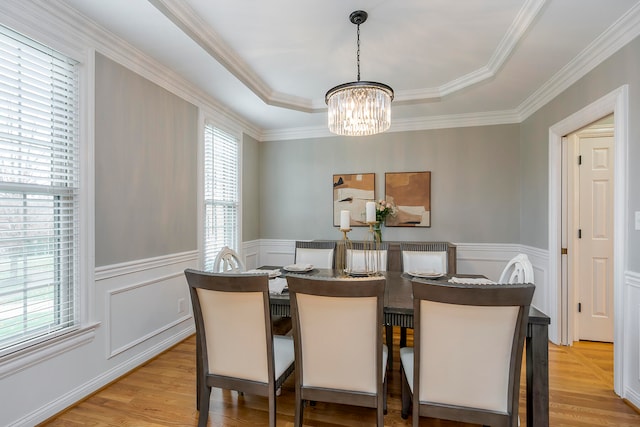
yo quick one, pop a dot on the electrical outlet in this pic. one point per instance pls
(182, 306)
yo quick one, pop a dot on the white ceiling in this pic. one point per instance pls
(472, 61)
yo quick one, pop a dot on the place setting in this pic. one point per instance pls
(424, 274)
(298, 268)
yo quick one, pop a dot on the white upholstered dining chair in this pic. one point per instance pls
(240, 354)
(360, 259)
(467, 355)
(424, 257)
(337, 332)
(320, 254)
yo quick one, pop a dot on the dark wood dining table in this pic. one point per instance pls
(398, 311)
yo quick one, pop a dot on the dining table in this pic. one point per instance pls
(398, 311)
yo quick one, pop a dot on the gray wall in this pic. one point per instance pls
(250, 189)
(145, 168)
(621, 68)
(475, 187)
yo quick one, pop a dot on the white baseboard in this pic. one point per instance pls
(86, 389)
(131, 331)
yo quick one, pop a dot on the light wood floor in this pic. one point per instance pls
(162, 393)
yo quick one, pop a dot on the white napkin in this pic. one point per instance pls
(271, 273)
(471, 281)
(277, 285)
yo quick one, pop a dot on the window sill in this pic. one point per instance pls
(30, 356)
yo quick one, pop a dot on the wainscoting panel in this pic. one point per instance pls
(145, 300)
(140, 311)
(631, 340)
(490, 260)
(277, 252)
(251, 253)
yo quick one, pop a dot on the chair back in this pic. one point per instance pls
(319, 254)
(229, 261)
(424, 257)
(468, 346)
(235, 348)
(518, 270)
(361, 259)
(239, 349)
(337, 332)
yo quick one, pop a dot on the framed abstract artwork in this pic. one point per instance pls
(411, 193)
(351, 192)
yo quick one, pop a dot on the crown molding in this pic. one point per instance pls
(609, 42)
(71, 33)
(27, 18)
(516, 31)
(620, 33)
(68, 26)
(185, 18)
(190, 23)
(404, 125)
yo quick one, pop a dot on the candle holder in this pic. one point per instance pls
(371, 248)
(343, 248)
(364, 258)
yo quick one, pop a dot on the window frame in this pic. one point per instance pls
(206, 119)
(34, 351)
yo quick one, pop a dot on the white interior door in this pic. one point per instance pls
(595, 240)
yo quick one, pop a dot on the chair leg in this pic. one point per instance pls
(384, 396)
(379, 417)
(406, 395)
(298, 416)
(198, 373)
(205, 396)
(272, 410)
(388, 331)
(403, 337)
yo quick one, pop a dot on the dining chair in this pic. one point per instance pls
(359, 257)
(337, 333)
(518, 270)
(320, 254)
(424, 257)
(240, 354)
(228, 260)
(467, 355)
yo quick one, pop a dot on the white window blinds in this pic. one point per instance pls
(39, 176)
(221, 159)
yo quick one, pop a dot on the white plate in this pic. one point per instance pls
(298, 267)
(357, 273)
(425, 274)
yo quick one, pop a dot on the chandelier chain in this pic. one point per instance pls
(358, 54)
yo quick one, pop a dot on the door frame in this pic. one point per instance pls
(572, 171)
(615, 102)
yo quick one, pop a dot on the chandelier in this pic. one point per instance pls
(359, 108)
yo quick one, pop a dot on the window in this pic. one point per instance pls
(221, 158)
(39, 180)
